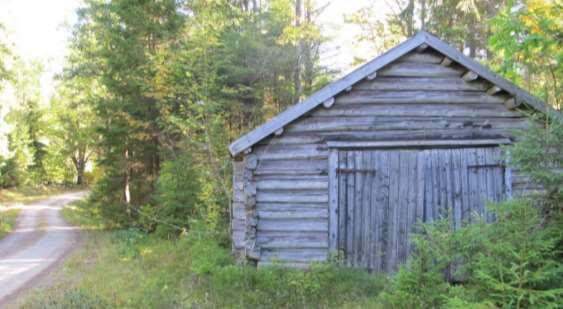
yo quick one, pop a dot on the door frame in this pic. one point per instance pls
(336, 146)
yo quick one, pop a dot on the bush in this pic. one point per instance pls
(512, 263)
(177, 195)
(539, 153)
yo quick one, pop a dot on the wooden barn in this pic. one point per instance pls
(414, 134)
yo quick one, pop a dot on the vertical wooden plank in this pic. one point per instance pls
(385, 223)
(351, 163)
(333, 200)
(379, 218)
(508, 178)
(482, 184)
(420, 180)
(457, 188)
(358, 209)
(370, 194)
(451, 191)
(464, 183)
(342, 202)
(473, 179)
(428, 187)
(411, 199)
(436, 185)
(402, 187)
(393, 212)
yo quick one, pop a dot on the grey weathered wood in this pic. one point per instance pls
(417, 97)
(251, 138)
(485, 73)
(416, 143)
(412, 69)
(318, 97)
(329, 102)
(494, 90)
(426, 57)
(511, 103)
(422, 47)
(446, 62)
(372, 76)
(469, 76)
(291, 181)
(431, 111)
(350, 205)
(421, 83)
(333, 200)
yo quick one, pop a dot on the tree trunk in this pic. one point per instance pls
(80, 172)
(298, 64)
(423, 15)
(309, 52)
(409, 12)
(126, 180)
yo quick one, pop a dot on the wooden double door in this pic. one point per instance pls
(380, 195)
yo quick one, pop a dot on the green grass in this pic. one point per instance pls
(131, 269)
(25, 195)
(7, 220)
(15, 196)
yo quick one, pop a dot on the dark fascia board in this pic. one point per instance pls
(281, 120)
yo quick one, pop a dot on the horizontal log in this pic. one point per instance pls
(295, 207)
(295, 255)
(421, 110)
(281, 264)
(289, 173)
(302, 241)
(417, 97)
(450, 133)
(427, 57)
(296, 197)
(493, 90)
(469, 76)
(420, 83)
(282, 152)
(446, 61)
(303, 225)
(311, 213)
(291, 184)
(326, 124)
(303, 165)
(292, 140)
(419, 143)
(292, 240)
(420, 70)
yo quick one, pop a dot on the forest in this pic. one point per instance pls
(153, 92)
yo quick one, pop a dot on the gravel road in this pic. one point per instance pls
(39, 242)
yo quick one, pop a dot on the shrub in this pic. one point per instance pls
(512, 263)
(177, 194)
(539, 153)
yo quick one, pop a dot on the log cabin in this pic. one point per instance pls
(413, 135)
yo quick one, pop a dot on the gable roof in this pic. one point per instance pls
(327, 93)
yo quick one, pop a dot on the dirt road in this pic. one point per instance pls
(40, 240)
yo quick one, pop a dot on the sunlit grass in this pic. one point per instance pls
(7, 220)
(131, 269)
(23, 195)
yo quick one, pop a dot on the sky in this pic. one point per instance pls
(39, 30)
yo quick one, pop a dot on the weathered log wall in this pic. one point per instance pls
(418, 97)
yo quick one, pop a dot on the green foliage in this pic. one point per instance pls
(512, 263)
(177, 192)
(526, 41)
(539, 154)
